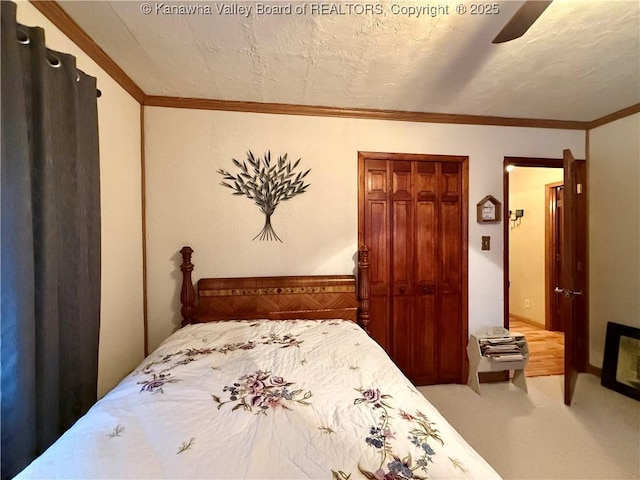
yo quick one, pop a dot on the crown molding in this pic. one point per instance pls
(612, 117)
(61, 19)
(361, 113)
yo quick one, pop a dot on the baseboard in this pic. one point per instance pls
(593, 370)
(526, 320)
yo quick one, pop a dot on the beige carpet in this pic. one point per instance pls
(535, 436)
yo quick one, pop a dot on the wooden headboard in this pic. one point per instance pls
(299, 297)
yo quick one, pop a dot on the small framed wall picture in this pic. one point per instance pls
(489, 210)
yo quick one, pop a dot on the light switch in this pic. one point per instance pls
(486, 243)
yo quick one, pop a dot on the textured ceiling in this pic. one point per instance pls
(580, 60)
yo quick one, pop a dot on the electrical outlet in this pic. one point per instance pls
(527, 303)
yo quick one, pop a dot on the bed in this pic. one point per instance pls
(272, 377)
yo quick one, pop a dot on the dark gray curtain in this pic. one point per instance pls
(50, 245)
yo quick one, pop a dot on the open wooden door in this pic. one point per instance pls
(573, 272)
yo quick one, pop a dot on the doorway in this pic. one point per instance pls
(533, 230)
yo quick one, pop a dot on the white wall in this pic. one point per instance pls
(613, 179)
(527, 240)
(121, 328)
(187, 206)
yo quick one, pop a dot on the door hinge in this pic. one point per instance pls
(578, 188)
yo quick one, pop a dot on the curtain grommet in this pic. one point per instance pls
(53, 61)
(23, 37)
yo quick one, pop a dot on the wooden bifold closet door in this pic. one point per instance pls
(413, 217)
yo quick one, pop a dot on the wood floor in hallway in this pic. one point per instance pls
(546, 348)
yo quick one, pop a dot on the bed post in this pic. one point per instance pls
(363, 288)
(187, 294)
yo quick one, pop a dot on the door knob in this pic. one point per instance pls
(567, 292)
(402, 290)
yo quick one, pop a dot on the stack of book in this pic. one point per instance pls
(503, 349)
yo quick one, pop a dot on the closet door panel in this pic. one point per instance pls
(402, 241)
(403, 337)
(402, 248)
(402, 258)
(450, 274)
(380, 329)
(376, 237)
(426, 225)
(449, 339)
(424, 343)
(401, 290)
(450, 229)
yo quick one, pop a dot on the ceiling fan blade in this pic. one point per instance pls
(522, 20)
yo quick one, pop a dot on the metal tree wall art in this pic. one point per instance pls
(266, 184)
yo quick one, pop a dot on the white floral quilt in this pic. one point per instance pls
(263, 400)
